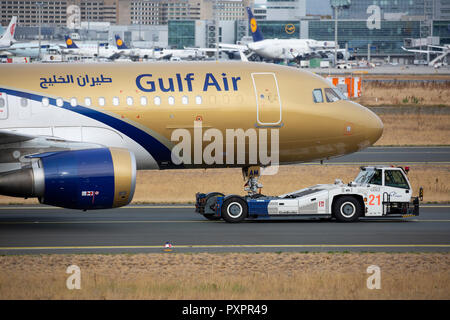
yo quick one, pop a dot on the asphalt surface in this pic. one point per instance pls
(396, 155)
(42, 229)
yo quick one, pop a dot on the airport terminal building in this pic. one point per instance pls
(194, 23)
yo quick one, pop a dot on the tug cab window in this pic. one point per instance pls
(317, 96)
(376, 178)
(394, 178)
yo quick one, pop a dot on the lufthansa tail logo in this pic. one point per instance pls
(253, 24)
(119, 42)
(289, 28)
(69, 42)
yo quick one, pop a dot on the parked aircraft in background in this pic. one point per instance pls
(100, 50)
(284, 49)
(7, 39)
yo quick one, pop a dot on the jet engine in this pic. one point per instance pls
(77, 179)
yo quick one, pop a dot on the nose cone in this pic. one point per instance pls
(373, 127)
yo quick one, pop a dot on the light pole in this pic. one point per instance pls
(337, 4)
(39, 5)
(336, 10)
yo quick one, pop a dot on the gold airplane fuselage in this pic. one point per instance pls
(159, 98)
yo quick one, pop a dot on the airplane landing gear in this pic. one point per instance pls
(252, 175)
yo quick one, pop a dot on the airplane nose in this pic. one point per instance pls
(372, 126)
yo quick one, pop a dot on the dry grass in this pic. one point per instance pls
(405, 93)
(227, 276)
(180, 186)
(415, 129)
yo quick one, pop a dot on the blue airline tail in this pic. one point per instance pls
(69, 43)
(254, 28)
(119, 43)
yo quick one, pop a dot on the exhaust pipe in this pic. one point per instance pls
(25, 183)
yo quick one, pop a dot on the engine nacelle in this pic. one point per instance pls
(79, 179)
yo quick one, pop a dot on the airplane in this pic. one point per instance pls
(440, 54)
(30, 50)
(155, 54)
(100, 50)
(137, 53)
(9, 46)
(284, 49)
(74, 137)
(7, 39)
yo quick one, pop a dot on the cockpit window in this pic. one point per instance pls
(317, 96)
(331, 95)
(340, 94)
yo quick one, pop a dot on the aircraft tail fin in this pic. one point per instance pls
(254, 28)
(119, 43)
(70, 43)
(8, 36)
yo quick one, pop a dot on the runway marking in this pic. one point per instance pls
(190, 221)
(237, 246)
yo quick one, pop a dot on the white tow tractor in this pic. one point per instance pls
(375, 192)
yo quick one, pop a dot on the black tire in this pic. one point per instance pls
(234, 210)
(347, 209)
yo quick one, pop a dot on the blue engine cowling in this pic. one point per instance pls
(86, 179)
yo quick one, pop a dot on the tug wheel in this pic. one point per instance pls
(347, 209)
(234, 210)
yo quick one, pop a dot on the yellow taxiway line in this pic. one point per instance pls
(177, 221)
(237, 246)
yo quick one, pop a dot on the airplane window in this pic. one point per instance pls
(59, 102)
(2, 102)
(317, 95)
(87, 102)
(129, 101)
(73, 102)
(143, 101)
(115, 101)
(45, 102)
(171, 100)
(331, 95)
(157, 101)
(23, 102)
(101, 101)
(184, 100)
(198, 100)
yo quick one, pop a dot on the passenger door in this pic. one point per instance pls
(268, 102)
